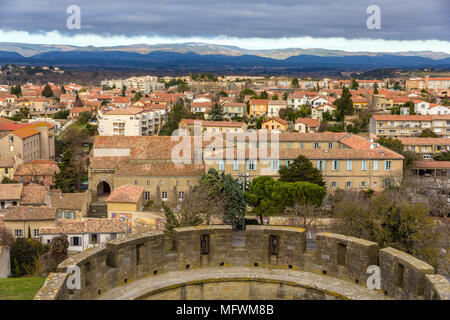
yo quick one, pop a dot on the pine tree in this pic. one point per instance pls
(344, 104)
(216, 113)
(47, 92)
(63, 90)
(375, 90)
(78, 103)
(235, 206)
(355, 85)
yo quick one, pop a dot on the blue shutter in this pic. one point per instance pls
(349, 165)
(323, 165)
(375, 165)
(385, 165)
(318, 164)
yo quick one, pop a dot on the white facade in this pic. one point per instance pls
(82, 241)
(141, 124)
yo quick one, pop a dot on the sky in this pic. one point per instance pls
(406, 25)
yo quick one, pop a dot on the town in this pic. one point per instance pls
(83, 164)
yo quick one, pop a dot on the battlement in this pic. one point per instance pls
(148, 257)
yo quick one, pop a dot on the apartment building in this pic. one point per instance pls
(275, 106)
(212, 127)
(234, 109)
(128, 122)
(143, 84)
(27, 142)
(258, 107)
(428, 83)
(20, 220)
(426, 147)
(409, 125)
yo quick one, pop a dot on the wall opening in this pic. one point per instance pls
(139, 254)
(103, 189)
(204, 244)
(274, 243)
(341, 254)
(400, 275)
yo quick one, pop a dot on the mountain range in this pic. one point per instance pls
(201, 56)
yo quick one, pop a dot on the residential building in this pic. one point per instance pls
(21, 220)
(275, 106)
(212, 127)
(277, 124)
(128, 122)
(426, 147)
(317, 113)
(85, 233)
(428, 83)
(37, 171)
(258, 107)
(307, 125)
(409, 125)
(234, 109)
(10, 195)
(72, 206)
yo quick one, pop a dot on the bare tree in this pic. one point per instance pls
(304, 215)
(6, 237)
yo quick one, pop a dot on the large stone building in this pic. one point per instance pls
(28, 142)
(347, 161)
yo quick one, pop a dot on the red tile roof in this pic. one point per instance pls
(127, 193)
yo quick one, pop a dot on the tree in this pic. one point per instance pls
(246, 92)
(275, 97)
(25, 256)
(178, 112)
(428, 133)
(78, 103)
(391, 143)
(390, 219)
(285, 96)
(268, 196)
(84, 117)
(216, 113)
(124, 90)
(375, 88)
(397, 86)
(443, 156)
(6, 237)
(137, 96)
(301, 169)
(57, 253)
(234, 199)
(355, 85)
(304, 215)
(344, 104)
(62, 114)
(263, 95)
(69, 176)
(295, 83)
(17, 90)
(63, 90)
(7, 180)
(47, 91)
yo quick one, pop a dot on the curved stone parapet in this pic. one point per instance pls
(148, 258)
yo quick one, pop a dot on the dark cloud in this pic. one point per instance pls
(400, 19)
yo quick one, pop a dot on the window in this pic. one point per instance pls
(18, 233)
(113, 236)
(275, 165)
(333, 184)
(348, 184)
(375, 165)
(164, 195)
(147, 195)
(341, 254)
(363, 184)
(335, 165)
(321, 165)
(204, 244)
(36, 233)
(2, 205)
(316, 145)
(387, 165)
(221, 165)
(251, 165)
(236, 165)
(375, 184)
(135, 182)
(148, 182)
(273, 245)
(349, 165)
(75, 241)
(94, 238)
(364, 165)
(181, 195)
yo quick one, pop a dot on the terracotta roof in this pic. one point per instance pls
(86, 225)
(19, 213)
(425, 141)
(444, 165)
(11, 191)
(162, 169)
(308, 122)
(259, 101)
(214, 123)
(127, 193)
(391, 117)
(33, 194)
(120, 100)
(25, 132)
(124, 111)
(74, 201)
(277, 119)
(37, 169)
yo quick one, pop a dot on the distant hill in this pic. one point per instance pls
(199, 57)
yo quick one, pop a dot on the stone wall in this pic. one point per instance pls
(151, 255)
(5, 262)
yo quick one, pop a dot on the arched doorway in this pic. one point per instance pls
(103, 190)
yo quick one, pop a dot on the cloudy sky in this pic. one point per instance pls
(251, 24)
